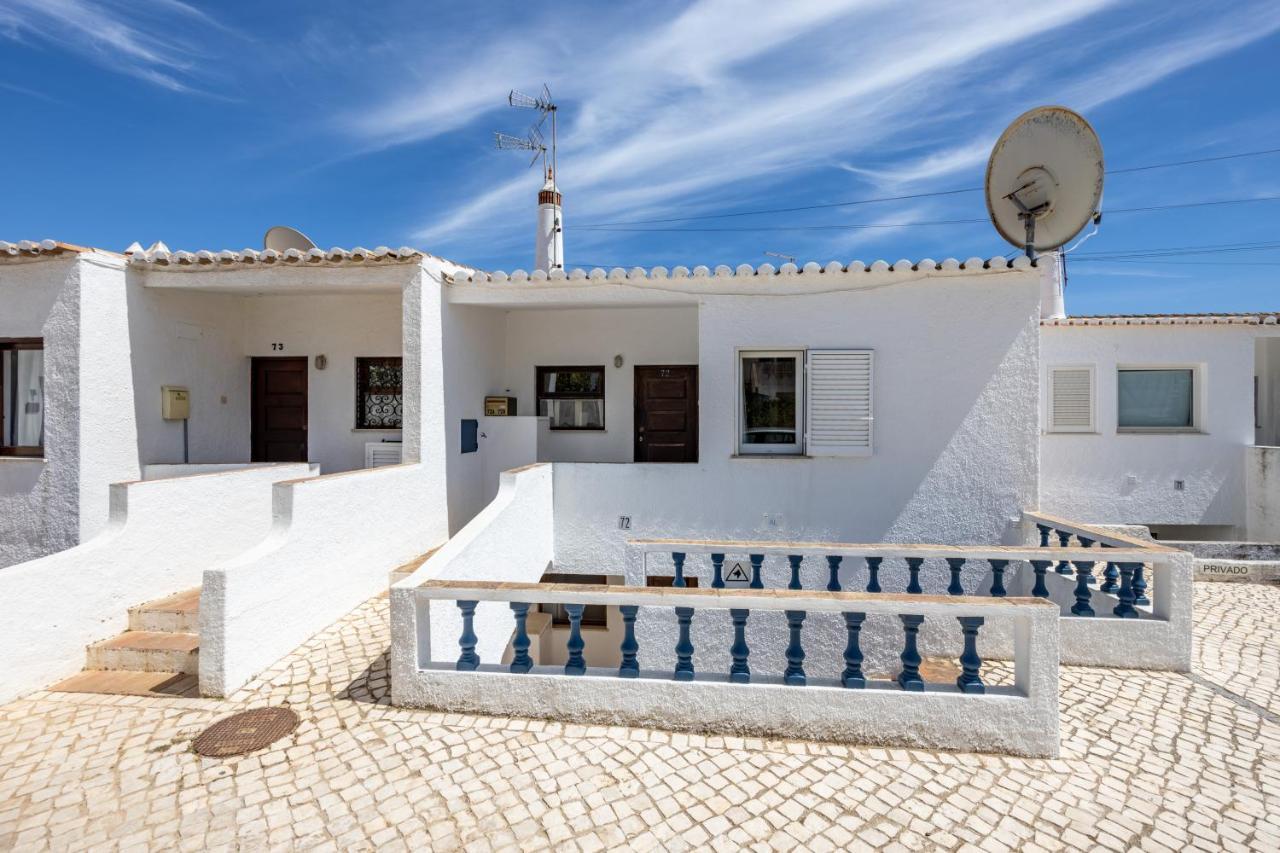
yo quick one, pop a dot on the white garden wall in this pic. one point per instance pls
(1128, 478)
(510, 540)
(161, 536)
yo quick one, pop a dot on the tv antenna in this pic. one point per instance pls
(788, 258)
(1044, 179)
(533, 140)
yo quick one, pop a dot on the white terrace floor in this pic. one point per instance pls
(1156, 761)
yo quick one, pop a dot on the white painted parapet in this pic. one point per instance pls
(160, 537)
(334, 539)
(510, 540)
(1021, 719)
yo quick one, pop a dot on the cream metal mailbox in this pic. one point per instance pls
(175, 403)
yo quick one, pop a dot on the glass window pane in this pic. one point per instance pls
(1155, 398)
(23, 419)
(769, 399)
(572, 382)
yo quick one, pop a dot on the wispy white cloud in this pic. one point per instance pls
(137, 39)
(730, 98)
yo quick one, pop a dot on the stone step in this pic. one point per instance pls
(179, 613)
(131, 683)
(147, 651)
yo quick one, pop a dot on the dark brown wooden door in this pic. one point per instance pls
(279, 410)
(666, 414)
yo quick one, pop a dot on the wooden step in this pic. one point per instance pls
(131, 683)
(179, 613)
(147, 651)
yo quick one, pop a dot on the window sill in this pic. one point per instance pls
(778, 456)
(1071, 432)
(377, 429)
(1159, 431)
(15, 458)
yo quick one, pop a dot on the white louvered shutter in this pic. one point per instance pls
(839, 402)
(1071, 399)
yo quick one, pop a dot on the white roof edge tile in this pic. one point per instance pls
(222, 259)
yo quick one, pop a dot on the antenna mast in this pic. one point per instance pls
(534, 141)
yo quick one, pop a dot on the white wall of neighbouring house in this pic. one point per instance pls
(955, 442)
(570, 337)
(77, 304)
(40, 498)
(1130, 478)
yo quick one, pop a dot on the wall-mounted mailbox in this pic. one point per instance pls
(499, 407)
(470, 435)
(175, 403)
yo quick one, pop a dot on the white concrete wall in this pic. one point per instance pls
(1267, 359)
(1128, 478)
(955, 392)
(1262, 494)
(154, 545)
(472, 345)
(507, 443)
(510, 540)
(40, 499)
(194, 340)
(593, 336)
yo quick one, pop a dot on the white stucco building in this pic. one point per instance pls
(907, 402)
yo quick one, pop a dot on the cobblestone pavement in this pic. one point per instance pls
(1150, 760)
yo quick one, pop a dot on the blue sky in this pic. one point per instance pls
(201, 124)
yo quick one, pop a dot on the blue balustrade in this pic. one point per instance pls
(873, 573)
(630, 667)
(1064, 539)
(833, 574)
(956, 564)
(1125, 609)
(575, 665)
(795, 560)
(1140, 584)
(1084, 570)
(678, 559)
(1110, 578)
(1088, 543)
(717, 568)
(909, 678)
(794, 673)
(468, 660)
(520, 660)
(757, 560)
(1045, 530)
(970, 681)
(997, 577)
(1040, 567)
(739, 670)
(913, 566)
(852, 676)
(684, 645)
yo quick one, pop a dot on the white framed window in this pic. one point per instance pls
(839, 405)
(771, 402)
(1071, 398)
(1163, 398)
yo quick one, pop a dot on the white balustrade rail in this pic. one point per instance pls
(736, 693)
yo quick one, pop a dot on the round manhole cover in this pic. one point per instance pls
(245, 732)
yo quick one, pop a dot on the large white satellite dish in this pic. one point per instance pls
(1044, 179)
(283, 238)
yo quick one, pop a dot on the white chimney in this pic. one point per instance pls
(1052, 280)
(549, 248)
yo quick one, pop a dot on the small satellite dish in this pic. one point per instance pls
(282, 238)
(1044, 179)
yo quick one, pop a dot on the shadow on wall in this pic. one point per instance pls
(1003, 415)
(27, 492)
